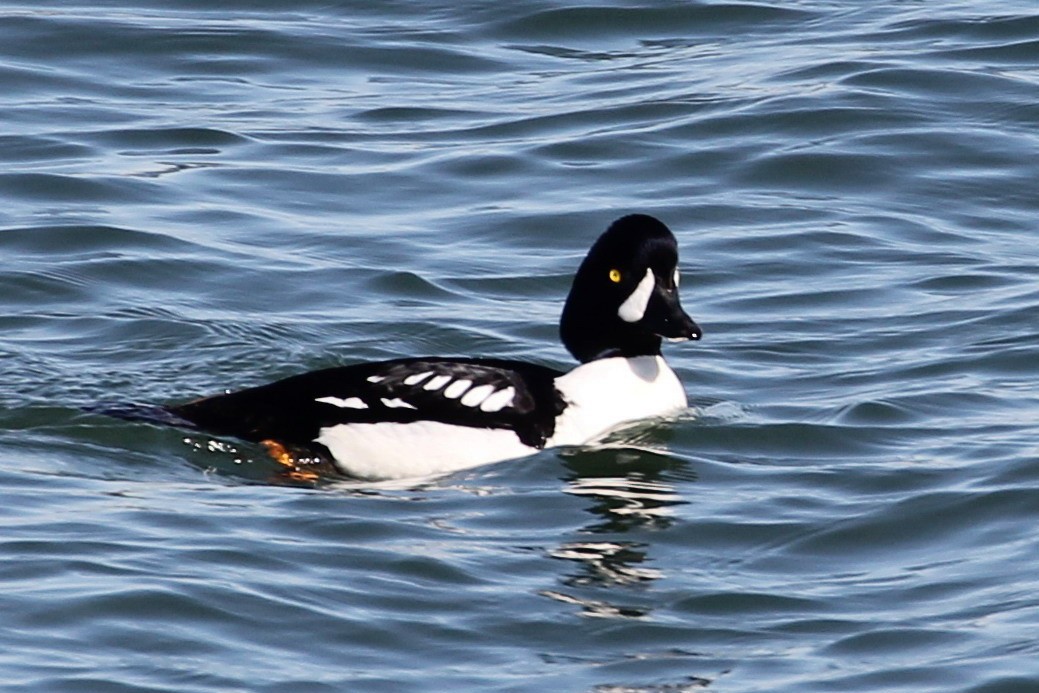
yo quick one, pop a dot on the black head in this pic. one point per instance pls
(625, 295)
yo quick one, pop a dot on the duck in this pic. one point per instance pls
(428, 416)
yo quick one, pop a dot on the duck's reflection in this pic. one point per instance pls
(597, 608)
(628, 492)
(626, 502)
(606, 563)
(627, 487)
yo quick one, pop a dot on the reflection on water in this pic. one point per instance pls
(640, 499)
(692, 683)
(629, 498)
(606, 563)
(596, 608)
(632, 500)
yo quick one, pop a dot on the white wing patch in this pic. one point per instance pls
(499, 400)
(477, 395)
(455, 389)
(396, 403)
(487, 397)
(634, 307)
(417, 378)
(437, 382)
(348, 403)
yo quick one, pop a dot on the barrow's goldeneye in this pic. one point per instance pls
(413, 417)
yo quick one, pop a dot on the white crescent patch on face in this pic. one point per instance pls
(634, 307)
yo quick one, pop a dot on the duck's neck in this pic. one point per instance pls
(586, 350)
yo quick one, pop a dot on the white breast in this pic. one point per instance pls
(399, 450)
(608, 392)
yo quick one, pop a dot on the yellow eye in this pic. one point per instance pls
(615, 276)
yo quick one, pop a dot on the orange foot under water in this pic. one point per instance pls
(295, 467)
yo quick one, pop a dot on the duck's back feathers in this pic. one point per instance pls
(476, 393)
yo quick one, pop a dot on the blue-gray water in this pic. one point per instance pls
(221, 194)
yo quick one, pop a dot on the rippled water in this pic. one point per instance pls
(204, 198)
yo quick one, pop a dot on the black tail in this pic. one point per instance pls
(140, 413)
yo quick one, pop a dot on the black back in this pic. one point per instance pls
(289, 412)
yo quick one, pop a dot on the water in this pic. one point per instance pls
(213, 197)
